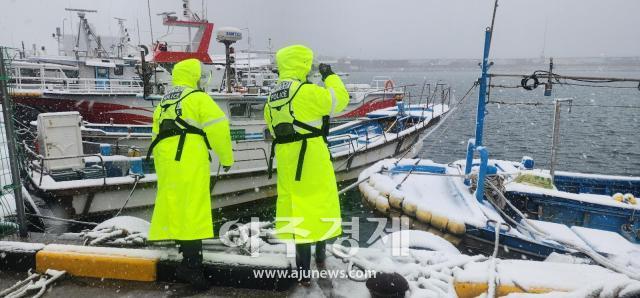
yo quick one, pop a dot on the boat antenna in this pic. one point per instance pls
(138, 29)
(544, 39)
(89, 32)
(203, 12)
(493, 18)
(150, 23)
(124, 38)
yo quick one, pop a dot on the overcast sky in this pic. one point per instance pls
(366, 28)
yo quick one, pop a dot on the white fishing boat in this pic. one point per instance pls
(105, 78)
(86, 178)
(365, 98)
(111, 83)
(95, 75)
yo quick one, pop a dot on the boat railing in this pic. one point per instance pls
(401, 89)
(260, 150)
(441, 94)
(43, 170)
(380, 82)
(77, 85)
(345, 138)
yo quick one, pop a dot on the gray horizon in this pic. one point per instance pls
(364, 29)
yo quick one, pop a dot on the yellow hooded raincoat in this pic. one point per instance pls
(183, 203)
(307, 210)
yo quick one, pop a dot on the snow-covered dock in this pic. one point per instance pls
(432, 266)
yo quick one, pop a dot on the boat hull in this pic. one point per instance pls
(228, 189)
(131, 109)
(108, 108)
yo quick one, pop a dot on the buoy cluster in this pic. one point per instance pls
(627, 198)
(383, 196)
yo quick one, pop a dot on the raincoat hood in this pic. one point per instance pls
(186, 73)
(294, 62)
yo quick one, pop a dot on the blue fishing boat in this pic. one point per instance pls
(482, 203)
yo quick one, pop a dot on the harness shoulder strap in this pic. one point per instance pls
(188, 128)
(296, 93)
(296, 137)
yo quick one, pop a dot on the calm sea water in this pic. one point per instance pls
(593, 139)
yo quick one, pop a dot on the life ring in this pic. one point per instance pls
(388, 85)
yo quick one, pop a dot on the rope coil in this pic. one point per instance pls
(524, 83)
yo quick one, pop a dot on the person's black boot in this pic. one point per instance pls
(190, 269)
(321, 255)
(193, 275)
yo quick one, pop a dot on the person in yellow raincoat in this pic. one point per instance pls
(297, 114)
(186, 125)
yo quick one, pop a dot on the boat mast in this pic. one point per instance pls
(556, 135)
(484, 80)
(476, 144)
(150, 23)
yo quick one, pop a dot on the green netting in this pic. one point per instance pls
(534, 180)
(7, 186)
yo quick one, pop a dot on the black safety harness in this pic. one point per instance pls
(295, 136)
(177, 127)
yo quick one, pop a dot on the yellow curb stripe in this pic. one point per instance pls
(98, 266)
(469, 289)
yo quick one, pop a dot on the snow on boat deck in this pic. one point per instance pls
(606, 242)
(542, 276)
(441, 195)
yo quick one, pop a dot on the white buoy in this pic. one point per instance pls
(439, 222)
(629, 198)
(423, 215)
(382, 204)
(371, 194)
(395, 198)
(456, 227)
(409, 207)
(362, 188)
